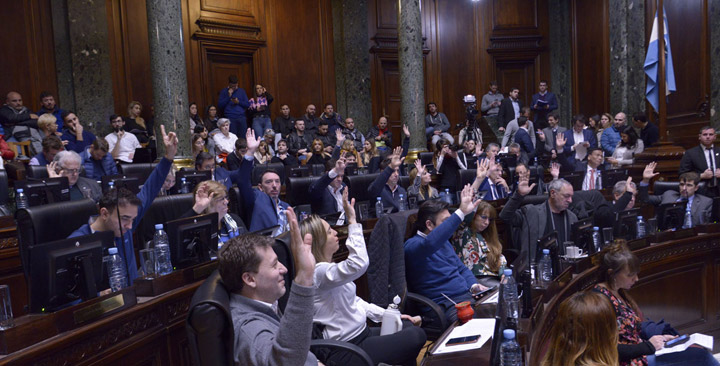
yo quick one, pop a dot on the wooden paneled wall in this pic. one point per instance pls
(590, 57)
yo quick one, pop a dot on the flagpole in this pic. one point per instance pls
(662, 87)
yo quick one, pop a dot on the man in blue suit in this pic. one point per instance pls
(264, 202)
(579, 139)
(205, 162)
(489, 179)
(522, 138)
(326, 192)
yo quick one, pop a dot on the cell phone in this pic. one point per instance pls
(463, 340)
(679, 340)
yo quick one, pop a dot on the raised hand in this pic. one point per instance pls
(555, 170)
(340, 166)
(406, 130)
(52, 170)
(419, 167)
(203, 198)
(340, 137)
(560, 140)
(629, 186)
(395, 159)
(478, 150)
(252, 142)
(349, 208)
(170, 141)
(649, 172)
(523, 188)
(466, 200)
(482, 169)
(301, 248)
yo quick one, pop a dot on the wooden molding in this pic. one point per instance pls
(514, 43)
(227, 28)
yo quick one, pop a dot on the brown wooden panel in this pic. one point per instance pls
(387, 13)
(518, 74)
(591, 85)
(510, 14)
(232, 7)
(220, 66)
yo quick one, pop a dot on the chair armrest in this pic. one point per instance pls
(344, 346)
(422, 300)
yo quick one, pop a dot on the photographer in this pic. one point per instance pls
(122, 144)
(447, 164)
(471, 131)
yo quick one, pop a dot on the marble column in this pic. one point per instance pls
(410, 62)
(169, 76)
(627, 55)
(90, 64)
(63, 63)
(714, 20)
(561, 57)
(352, 63)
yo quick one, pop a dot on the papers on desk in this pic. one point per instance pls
(697, 338)
(483, 327)
(493, 299)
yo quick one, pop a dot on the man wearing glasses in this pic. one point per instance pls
(67, 164)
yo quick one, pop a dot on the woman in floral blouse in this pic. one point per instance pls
(479, 246)
(618, 268)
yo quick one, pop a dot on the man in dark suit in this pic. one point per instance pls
(549, 134)
(326, 193)
(649, 133)
(579, 140)
(700, 206)
(522, 138)
(510, 108)
(489, 179)
(593, 166)
(703, 159)
(543, 102)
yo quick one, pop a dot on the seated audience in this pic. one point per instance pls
(194, 116)
(284, 124)
(618, 269)
(432, 268)
(68, 164)
(207, 137)
(197, 144)
(262, 154)
(533, 222)
(514, 126)
(51, 145)
(75, 135)
(578, 140)
(344, 315)
(205, 162)
(225, 140)
(47, 125)
(7, 153)
(447, 165)
(437, 125)
(649, 133)
(300, 141)
(211, 118)
(326, 193)
(348, 148)
(48, 105)
(311, 121)
(626, 149)
(269, 137)
(369, 151)
(234, 159)
(491, 152)
(583, 333)
(14, 114)
(420, 187)
(283, 156)
(381, 134)
(122, 207)
(96, 161)
(334, 119)
(323, 134)
(168, 187)
(548, 135)
(253, 276)
(700, 206)
(353, 134)
(470, 153)
(122, 144)
(134, 123)
(489, 179)
(386, 184)
(479, 246)
(211, 197)
(318, 155)
(592, 168)
(267, 210)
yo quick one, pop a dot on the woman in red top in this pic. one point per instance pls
(5, 150)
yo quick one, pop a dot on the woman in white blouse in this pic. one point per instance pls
(629, 145)
(337, 306)
(225, 140)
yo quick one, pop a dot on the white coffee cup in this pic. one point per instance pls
(573, 252)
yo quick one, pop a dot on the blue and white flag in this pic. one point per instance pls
(652, 64)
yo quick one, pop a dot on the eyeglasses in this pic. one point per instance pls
(486, 217)
(70, 171)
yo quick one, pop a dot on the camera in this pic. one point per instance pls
(471, 111)
(455, 147)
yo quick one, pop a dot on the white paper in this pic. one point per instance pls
(493, 299)
(697, 338)
(483, 327)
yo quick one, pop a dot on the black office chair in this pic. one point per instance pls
(54, 221)
(659, 187)
(142, 170)
(358, 185)
(258, 171)
(374, 165)
(36, 171)
(4, 187)
(162, 210)
(297, 190)
(426, 157)
(236, 205)
(404, 181)
(465, 176)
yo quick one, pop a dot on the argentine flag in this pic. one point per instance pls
(652, 64)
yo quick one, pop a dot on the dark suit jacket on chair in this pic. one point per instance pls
(701, 209)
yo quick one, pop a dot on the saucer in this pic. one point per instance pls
(580, 257)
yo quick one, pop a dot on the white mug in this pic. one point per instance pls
(573, 252)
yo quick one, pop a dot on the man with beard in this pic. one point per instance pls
(311, 121)
(48, 106)
(76, 136)
(122, 145)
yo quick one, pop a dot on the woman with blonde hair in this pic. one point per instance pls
(479, 246)
(47, 124)
(421, 188)
(211, 197)
(136, 124)
(317, 154)
(368, 153)
(262, 154)
(348, 147)
(584, 333)
(338, 308)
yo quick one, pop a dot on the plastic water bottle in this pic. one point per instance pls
(596, 238)
(687, 223)
(640, 227)
(448, 198)
(111, 185)
(402, 203)
(509, 298)
(184, 187)
(379, 210)
(118, 273)
(21, 200)
(545, 268)
(510, 354)
(162, 251)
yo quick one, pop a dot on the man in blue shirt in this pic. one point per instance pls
(121, 211)
(48, 106)
(76, 136)
(432, 268)
(264, 202)
(96, 161)
(611, 136)
(233, 101)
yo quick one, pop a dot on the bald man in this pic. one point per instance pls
(13, 113)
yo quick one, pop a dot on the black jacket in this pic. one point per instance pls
(296, 142)
(506, 113)
(321, 200)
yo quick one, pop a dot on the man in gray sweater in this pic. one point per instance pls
(252, 274)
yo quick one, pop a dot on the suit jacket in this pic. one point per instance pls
(485, 186)
(694, 160)
(570, 164)
(507, 112)
(588, 136)
(522, 138)
(549, 141)
(322, 201)
(701, 209)
(264, 214)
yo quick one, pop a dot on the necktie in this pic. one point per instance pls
(493, 191)
(591, 184)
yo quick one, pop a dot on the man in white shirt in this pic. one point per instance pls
(122, 144)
